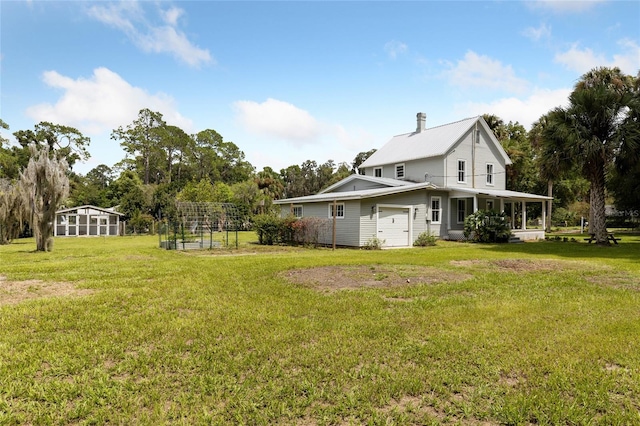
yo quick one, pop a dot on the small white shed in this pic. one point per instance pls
(87, 221)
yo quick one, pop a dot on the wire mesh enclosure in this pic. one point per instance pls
(196, 226)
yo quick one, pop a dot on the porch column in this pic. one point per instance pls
(475, 203)
(513, 214)
(524, 215)
(501, 205)
(544, 215)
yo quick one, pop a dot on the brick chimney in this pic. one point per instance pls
(421, 119)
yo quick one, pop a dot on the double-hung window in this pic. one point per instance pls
(462, 165)
(489, 174)
(435, 209)
(377, 171)
(297, 211)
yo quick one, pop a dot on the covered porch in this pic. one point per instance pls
(464, 202)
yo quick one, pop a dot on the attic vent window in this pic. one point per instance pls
(377, 172)
(399, 171)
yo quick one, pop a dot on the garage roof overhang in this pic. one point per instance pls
(356, 195)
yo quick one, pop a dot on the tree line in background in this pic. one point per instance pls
(585, 154)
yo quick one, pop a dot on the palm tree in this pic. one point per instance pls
(548, 161)
(589, 134)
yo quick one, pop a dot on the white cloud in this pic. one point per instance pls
(101, 103)
(395, 48)
(524, 110)
(565, 6)
(536, 34)
(278, 119)
(583, 60)
(580, 60)
(128, 17)
(277, 125)
(629, 60)
(172, 15)
(482, 71)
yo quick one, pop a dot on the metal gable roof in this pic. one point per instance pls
(356, 195)
(100, 209)
(351, 178)
(431, 142)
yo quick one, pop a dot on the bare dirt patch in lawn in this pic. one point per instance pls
(522, 265)
(14, 292)
(617, 280)
(334, 278)
(414, 408)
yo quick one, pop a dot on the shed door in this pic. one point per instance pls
(393, 226)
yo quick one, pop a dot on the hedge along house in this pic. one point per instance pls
(429, 180)
(87, 221)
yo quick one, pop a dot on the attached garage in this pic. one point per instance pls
(394, 225)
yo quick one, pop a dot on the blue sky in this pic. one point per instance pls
(295, 81)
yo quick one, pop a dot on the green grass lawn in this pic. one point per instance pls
(116, 330)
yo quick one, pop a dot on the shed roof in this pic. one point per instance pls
(498, 193)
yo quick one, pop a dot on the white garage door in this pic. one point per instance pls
(393, 226)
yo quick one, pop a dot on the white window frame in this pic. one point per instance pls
(490, 174)
(461, 202)
(438, 211)
(462, 171)
(375, 170)
(404, 170)
(340, 210)
(293, 211)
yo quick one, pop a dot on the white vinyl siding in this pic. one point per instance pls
(436, 211)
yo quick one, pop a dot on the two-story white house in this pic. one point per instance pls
(427, 180)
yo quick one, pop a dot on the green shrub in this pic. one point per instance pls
(373, 243)
(425, 239)
(487, 226)
(269, 228)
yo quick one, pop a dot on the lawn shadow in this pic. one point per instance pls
(628, 249)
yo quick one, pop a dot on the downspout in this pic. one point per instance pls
(474, 141)
(335, 217)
